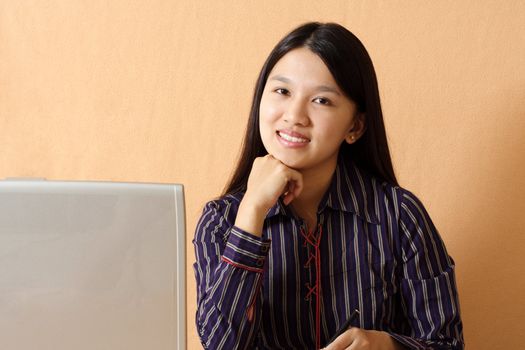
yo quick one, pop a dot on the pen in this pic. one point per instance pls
(346, 325)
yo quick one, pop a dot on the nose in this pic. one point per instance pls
(296, 112)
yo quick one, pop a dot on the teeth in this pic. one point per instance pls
(292, 139)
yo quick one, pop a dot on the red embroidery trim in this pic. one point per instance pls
(241, 266)
(316, 289)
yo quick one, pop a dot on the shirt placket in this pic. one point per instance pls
(311, 242)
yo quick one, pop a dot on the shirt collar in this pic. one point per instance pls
(279, 209)
(351, 190)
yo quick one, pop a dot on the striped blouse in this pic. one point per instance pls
(375, 250)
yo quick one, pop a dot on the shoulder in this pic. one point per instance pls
(416, 234)
(403, 204)
(410, 206)
(223, 208)
(396, 200)
(217, 218)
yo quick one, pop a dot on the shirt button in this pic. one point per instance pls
(260, 262)
(264, 248)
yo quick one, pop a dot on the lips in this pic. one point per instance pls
(292, 136)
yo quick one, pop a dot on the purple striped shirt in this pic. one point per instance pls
(378, 252)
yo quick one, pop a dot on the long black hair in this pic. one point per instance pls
(351, 66)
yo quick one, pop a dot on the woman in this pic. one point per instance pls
(313, 243)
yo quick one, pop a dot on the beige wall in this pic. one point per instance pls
(160, 90)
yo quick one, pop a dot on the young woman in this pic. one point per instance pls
(313, 240)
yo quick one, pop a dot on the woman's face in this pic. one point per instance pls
(304, 115)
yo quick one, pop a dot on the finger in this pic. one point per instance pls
(288, 196)
(295, 188)
(298, 185)
(291, 186)
(296, 182)
(343, 341)
(359, 339)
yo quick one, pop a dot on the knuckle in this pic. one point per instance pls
(281, 169)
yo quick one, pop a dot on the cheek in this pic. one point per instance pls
(265, 125)
(268, 113)
(268, 110)
(332, 134)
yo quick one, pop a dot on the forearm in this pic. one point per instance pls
(427, 281)
(229, 289)
(250, 218)
(228, 315)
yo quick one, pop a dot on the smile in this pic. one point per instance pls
(295, 138)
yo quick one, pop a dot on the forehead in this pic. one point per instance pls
(302, 66)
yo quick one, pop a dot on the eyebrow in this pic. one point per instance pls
(324, 88)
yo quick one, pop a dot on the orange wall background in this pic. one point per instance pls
(159, 91)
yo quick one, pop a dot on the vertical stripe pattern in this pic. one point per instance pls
(379, 253)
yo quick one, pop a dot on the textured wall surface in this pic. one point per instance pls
(159, 91)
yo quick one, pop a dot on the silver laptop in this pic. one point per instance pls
(92, 265)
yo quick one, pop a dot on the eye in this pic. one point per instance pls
(281, 91)
(322, 101)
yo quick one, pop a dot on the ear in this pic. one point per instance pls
(357, 130)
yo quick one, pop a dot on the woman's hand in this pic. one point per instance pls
(360, 339)
(269, 179)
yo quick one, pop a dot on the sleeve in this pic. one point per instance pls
(229, 272)
(427, 281)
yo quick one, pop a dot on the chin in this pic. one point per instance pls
(287, 157)
(290, 162)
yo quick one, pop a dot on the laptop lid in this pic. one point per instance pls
(92, 265)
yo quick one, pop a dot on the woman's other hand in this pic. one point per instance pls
(361, 339)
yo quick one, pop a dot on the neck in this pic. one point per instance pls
(315, 185)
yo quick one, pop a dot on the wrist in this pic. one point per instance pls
(392, 343)
(250, 218)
